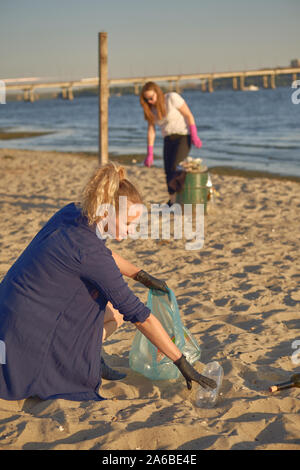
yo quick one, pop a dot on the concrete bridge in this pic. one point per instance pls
(174, 81)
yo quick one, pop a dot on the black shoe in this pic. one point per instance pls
(108, 373)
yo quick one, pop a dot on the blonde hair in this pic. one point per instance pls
(106, 185)
(160, 103)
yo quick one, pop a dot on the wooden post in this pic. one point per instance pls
(103, 99)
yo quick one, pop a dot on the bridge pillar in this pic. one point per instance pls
(210, 85)
(31, 95)
(294, 77)
(26, 95)
(171, 88)
(70, 93)
(177, 87)
(265, 81)
(272, 81)
(242, 82)
(64, 93)
(203, 85)
(234, 83)
(136, 88)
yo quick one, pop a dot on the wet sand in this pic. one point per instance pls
(12, 135)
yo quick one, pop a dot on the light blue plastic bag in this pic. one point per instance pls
(145, 358)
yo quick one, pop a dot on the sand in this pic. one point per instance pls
(238, 295)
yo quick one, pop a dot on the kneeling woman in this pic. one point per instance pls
(65, 294)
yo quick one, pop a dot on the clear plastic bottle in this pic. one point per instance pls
(206, 397)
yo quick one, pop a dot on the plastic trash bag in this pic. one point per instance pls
(145, 358)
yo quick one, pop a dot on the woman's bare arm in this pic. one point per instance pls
(151, 134)
(127, 269)
(155, 332)
(187, 114)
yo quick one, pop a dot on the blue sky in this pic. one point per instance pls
(58, 38)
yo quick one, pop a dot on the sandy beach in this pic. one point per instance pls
(239, 296)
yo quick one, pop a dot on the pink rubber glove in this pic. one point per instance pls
(194, 136)
(149, 159)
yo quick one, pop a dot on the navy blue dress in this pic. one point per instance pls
(49, 323)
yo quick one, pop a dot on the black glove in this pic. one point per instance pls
(150, 281)
(189, 373)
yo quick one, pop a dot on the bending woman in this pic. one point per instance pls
(66, 294)
(171, 113)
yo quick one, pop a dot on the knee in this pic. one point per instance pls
(119, 319)
(115, 315)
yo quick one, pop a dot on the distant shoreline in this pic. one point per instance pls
(10, 135)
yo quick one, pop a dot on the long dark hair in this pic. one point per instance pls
(160, 103)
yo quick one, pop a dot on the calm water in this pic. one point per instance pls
(250, 130)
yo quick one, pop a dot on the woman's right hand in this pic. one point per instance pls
(149, 159)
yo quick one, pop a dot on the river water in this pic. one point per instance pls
(254, 130)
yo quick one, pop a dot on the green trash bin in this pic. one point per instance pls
(195, 189)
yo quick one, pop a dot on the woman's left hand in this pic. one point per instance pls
(194, 136)
(150, 281)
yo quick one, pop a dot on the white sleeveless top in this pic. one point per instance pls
(174, 122)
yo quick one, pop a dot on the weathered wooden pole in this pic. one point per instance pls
(103, 98)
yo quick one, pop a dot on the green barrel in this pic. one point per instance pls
(195, 189)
